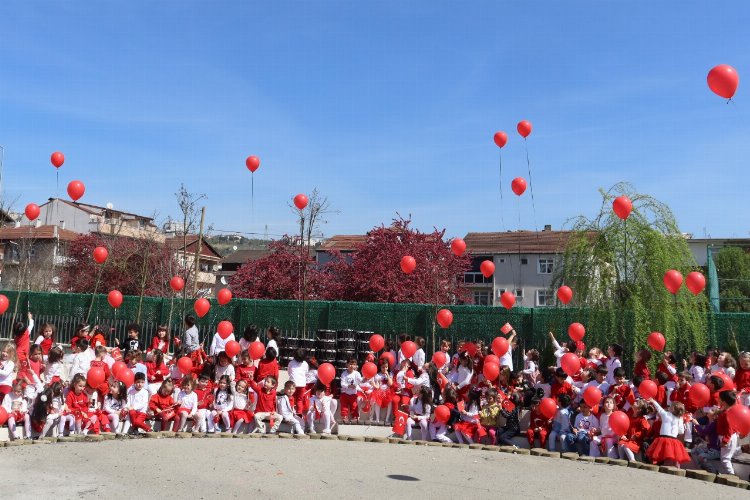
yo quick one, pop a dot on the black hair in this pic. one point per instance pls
(190, 320)
(55, 355)
(602, 369)
(289, 384)
(637, 380)
(250, 333)
(275, 380)
(474, 397)
(300, 355)
(34, 348)
(139, 376)
(44, 399)
(83, 344)
(563, 400)
(728, 397)
(617, 349)
(425, 394)
(134, 327)
(270, 354)
(158, 357)
(274, 333)
(204, 376)
(619, 372)
(122, 392)
(19, 327)
(420, 341)
(700, 360)
(559, 372)
(351, 360)
(662, 378)
(717, 382)
(535, 401)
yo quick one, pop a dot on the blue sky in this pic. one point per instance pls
(385, 107)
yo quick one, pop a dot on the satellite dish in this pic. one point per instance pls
(223, 280)
(110, 205)
(234, 248)
(56, 280)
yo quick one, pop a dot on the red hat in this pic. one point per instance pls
(580, 346)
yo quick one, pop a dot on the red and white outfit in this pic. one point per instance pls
(286, 410)
(742, 384)
(469, 427)
(163, 408)
(18, 411)
(463, 381)
(7, 376)
(631, 442)
(45, 343)
(138, 402)
(320, 409)
(612, 364)
(222, 406)
(205, 398)
(78, 406)
(667, 446)
(241, 412)
(53, 373)
(604, 444)
(418, 414)
(350, 383)
(114, 408)
(188, 406)
(298, 374)
(544, 424)
(159, 343)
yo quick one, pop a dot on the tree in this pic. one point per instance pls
(190, 210)
(733, 269)
(616, 268)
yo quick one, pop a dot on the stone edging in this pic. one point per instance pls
(725, 479)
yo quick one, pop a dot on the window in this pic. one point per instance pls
(545, 266)
(524, 261)
(483, 298)
(519, 292)
(545, 298)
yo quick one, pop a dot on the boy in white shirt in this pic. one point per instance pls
(137, 406)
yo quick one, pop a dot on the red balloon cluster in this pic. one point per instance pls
(57, 159)
(224, 329)
(76, 190)
(377, 342)
(114, 298)
(491, 358)
(326, 373)
(256, 350)
(695, 282)
(564, 294)
(622, 207)
(518, 185)
(300, 201)
(177, 283)
(458, 247)
(100, 255)
(369, 370)
(576, 331)
(508, 300)
(488, 268)
(117, 366)
(224, 296)
(408, 264)
(32, 211)
(656, 341)
(252, 163)
(524, 128)
(500, 346)
(673, 281)
(500, 138)
(444, 318)
(723, 80)
(201, 307)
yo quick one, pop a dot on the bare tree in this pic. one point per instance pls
(190, 209)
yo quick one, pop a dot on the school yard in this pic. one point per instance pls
(291, 468)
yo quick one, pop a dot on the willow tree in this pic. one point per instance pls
(616, 269)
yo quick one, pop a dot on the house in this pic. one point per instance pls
(32, 255)
(700, 247)
(343, 243)
(209, 260)
(525, 262)
(231, 263)
(84, 218)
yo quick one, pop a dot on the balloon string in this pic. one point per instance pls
(502, 214)
(518, 233)
(533, 203)
(252, 199)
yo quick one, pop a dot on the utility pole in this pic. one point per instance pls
(2, 160)
(198, 252)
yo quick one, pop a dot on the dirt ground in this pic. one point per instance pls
(283, 468)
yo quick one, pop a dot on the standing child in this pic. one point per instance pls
(266, 406)
(132, 343)
(641, 364)
(241, 413)
(350, 381)
(288, 415)
(613, 362)
(464, 374)
(420, 408)
(22, 338)
(666, 448)
(320, 409)
(728, 435)
(188, 403)
(115, 403)
(138, 403)
(17, 409)
(267, 366)
(297, 370)
(223, 404)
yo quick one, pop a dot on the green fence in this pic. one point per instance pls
(726, 330)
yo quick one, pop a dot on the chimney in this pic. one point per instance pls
(62, 224)
(548, 227)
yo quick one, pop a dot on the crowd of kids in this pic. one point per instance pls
(448, 397)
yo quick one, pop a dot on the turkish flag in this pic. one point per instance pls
(116, 354)
(399, 422)
(442, 381)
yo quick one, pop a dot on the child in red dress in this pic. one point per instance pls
(631, 442)
(162, 406)
(667, 449)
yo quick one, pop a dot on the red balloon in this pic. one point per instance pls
(252, 163)
(201, 307)
(524, 128)
(570, 363)
(739, 418)
(185, 365)
(95, 377)
(490, 371)
(408, 348)
(376, 342)
(622, 207)
(300, 201)
(501, 139)
(508, 300)
(256, 350)
(728, 382)
(439, 359)
(518, 185)
(500, 346)
(723, 80)
(656, 341)
(491, 358)
(673, 281)
(326, 373)
(116, 367)
(225, 329)
(444, 318)
(369, 370)
(408, 264)
(458, 247)
(114, 298)
(388, 356)
(4, 416)
(619, 423)
(699, 394)
(592, 395)
(32, 211)
(224, 296)
(126, 376)
(576, 331)
(565, 294)
(177, 283)
(100, 255)
(548, 407)
(57, 159)
(488, 268)
(233, 348)
(442, 414)
(695, 282)
(647, 389)
(4, 303)
(76, 190)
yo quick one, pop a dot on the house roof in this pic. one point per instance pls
(97, 210)
(511, 242)
(242, 256)
(343, 242)
(37, 233)
(207, 250)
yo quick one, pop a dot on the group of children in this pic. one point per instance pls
(449, 397)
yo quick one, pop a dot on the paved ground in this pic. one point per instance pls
(281, 468)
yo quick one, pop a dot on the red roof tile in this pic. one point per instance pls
(517, 242)
(343, 242)
(37, 233)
